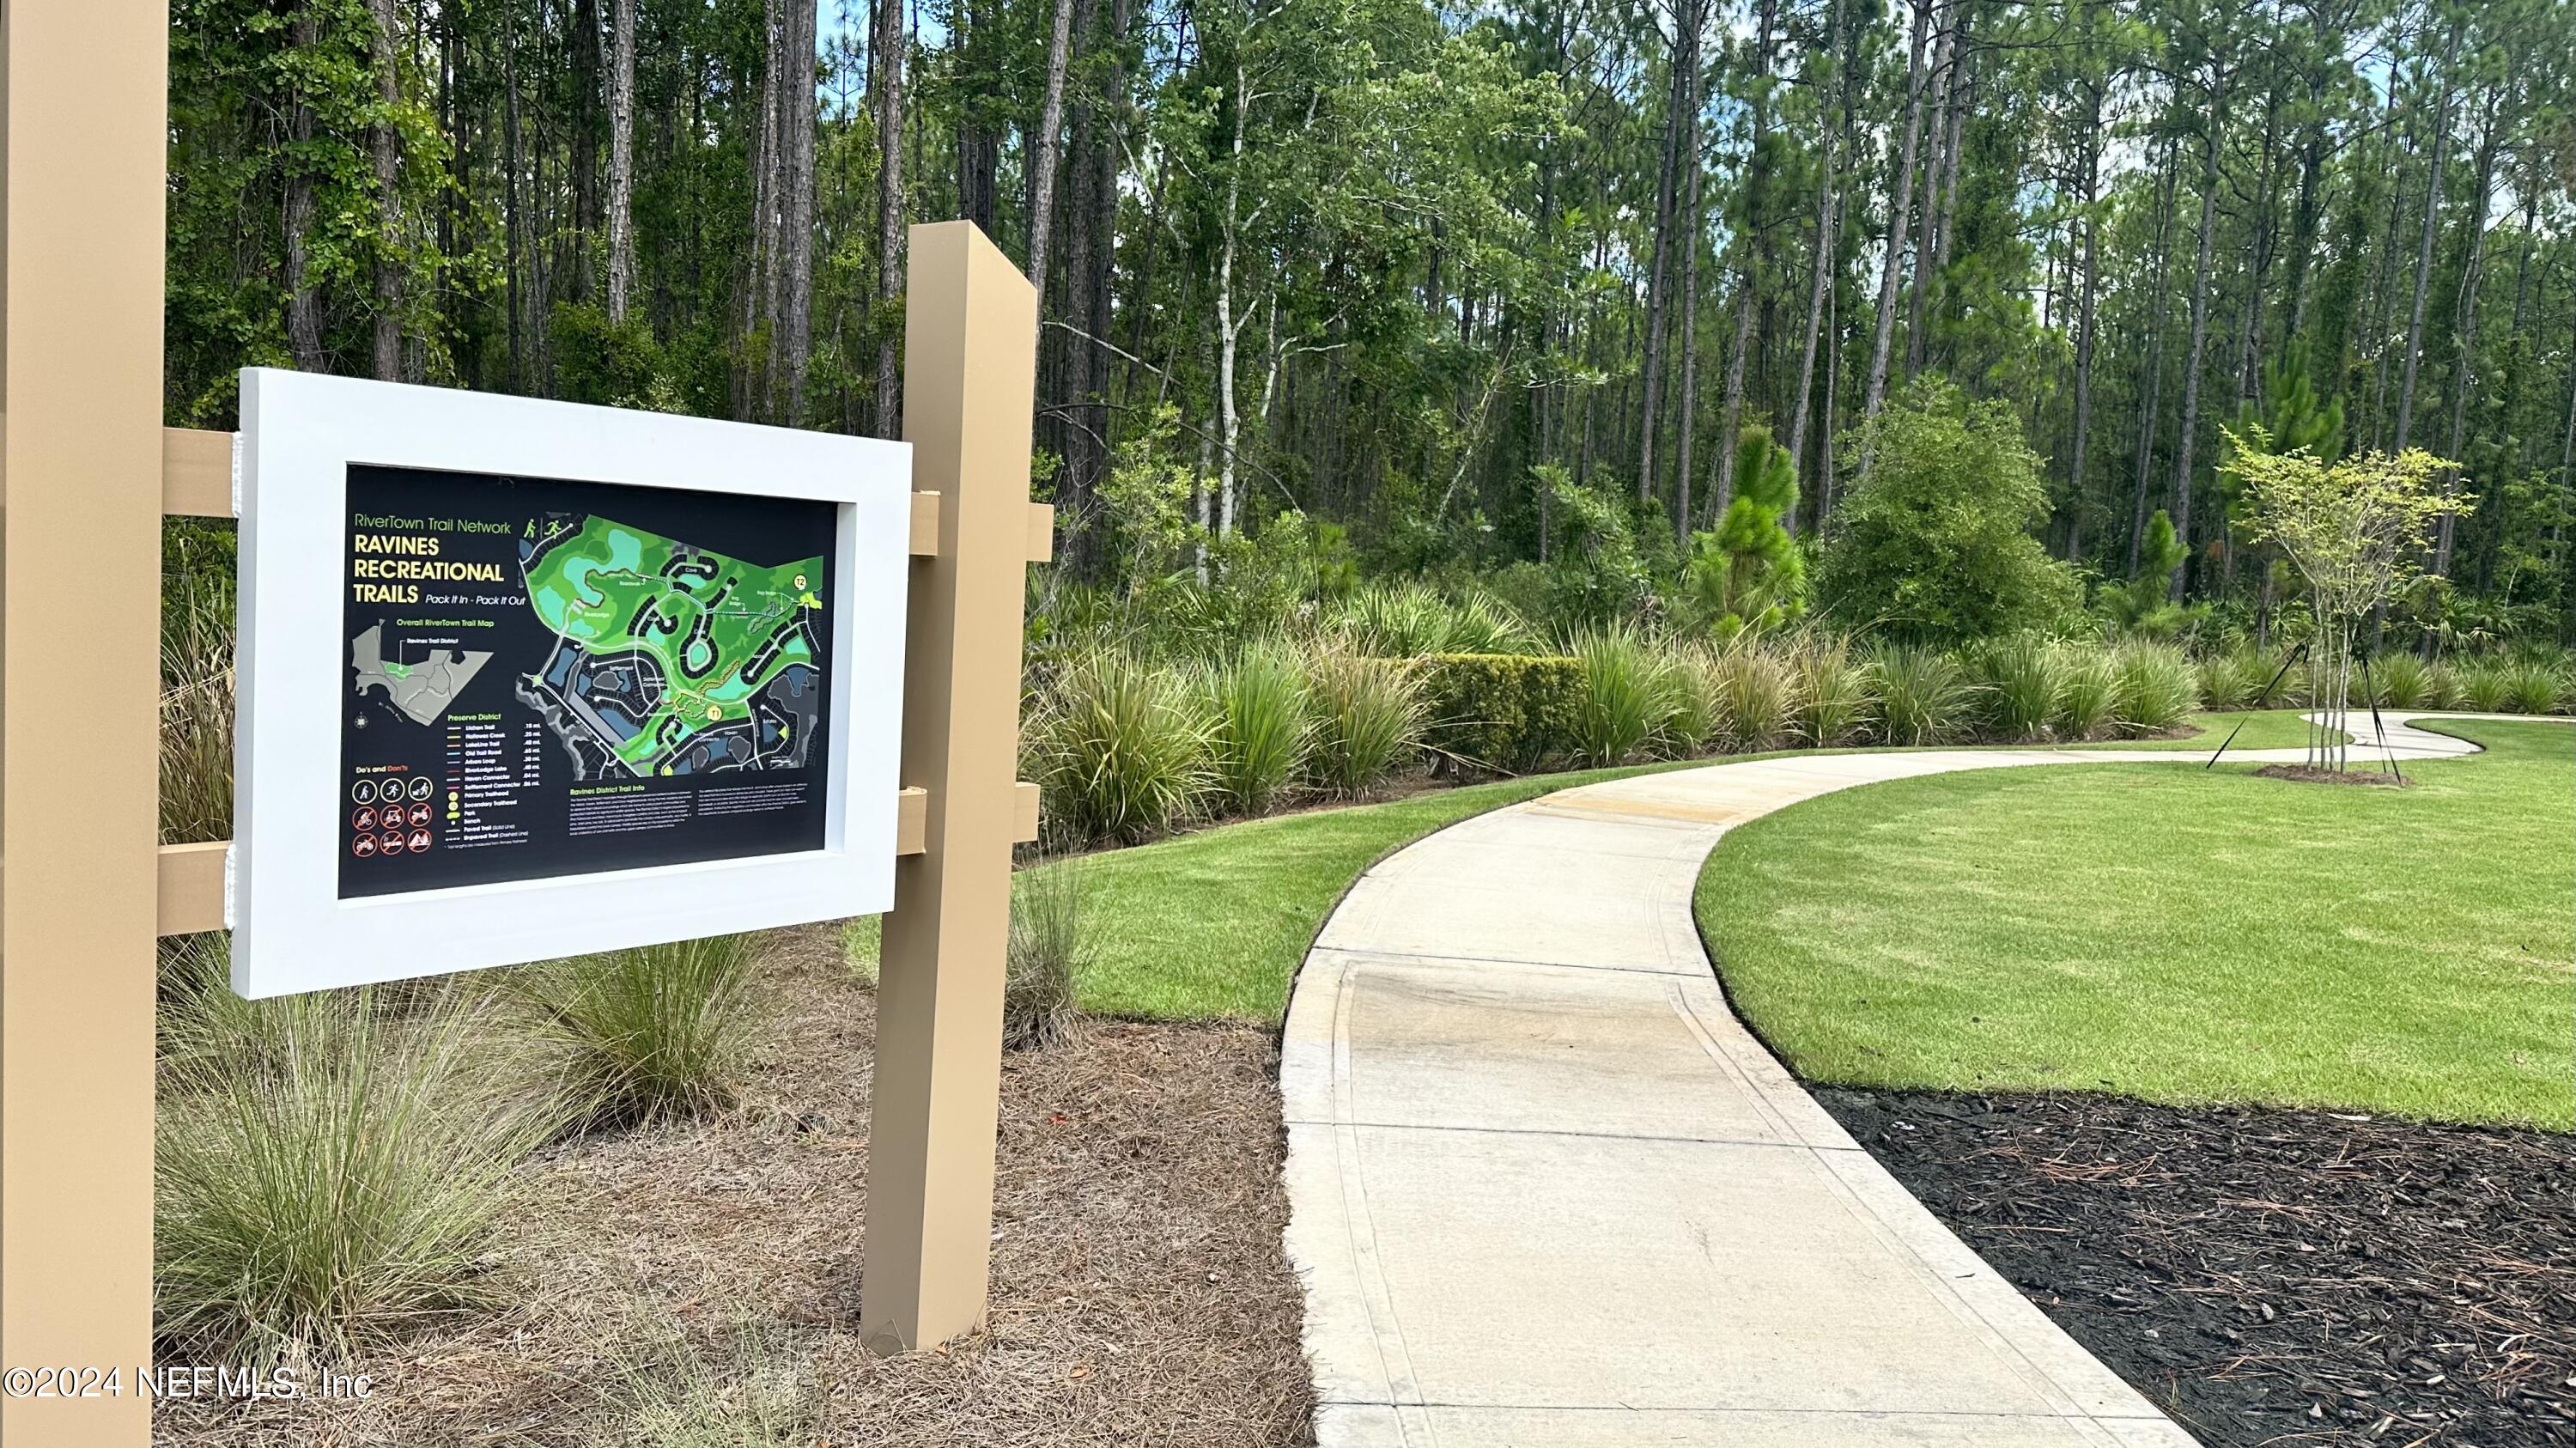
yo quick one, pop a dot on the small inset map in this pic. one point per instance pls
(422, 691)
(669, 659)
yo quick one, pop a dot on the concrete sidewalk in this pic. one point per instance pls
(1546, 1190)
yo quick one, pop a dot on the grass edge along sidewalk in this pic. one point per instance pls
(2177, 935)
(1214, 923)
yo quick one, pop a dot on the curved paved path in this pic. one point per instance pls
(1545, 1190)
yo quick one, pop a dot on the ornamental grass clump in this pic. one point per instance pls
(1632, 692)
(2018, 681)
(1120, 746)
(1050, 946)
(1832, 699)
(1924, 697)
(344, 1177)
(2534, 684)
(653, 1032)
(2085, 681)
(2151, 688)
(1698, 712)
(2228, 678)
(1756, 696)
(1260, 724)
(197, 717)
(1368, 717)
(2485, 686)
(2405, 681)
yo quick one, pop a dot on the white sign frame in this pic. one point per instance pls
(300, 434)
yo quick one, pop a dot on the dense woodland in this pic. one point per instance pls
(1467, 287)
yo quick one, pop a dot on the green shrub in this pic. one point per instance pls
(1933, 542)
(1756, 695)
(1832, 702)
(1050, 947)
(2085, 682)
(2017, 680)
(344, 1179)
(1924, 697)
(2485, 686)
(658, 1030)
(1261, 724)
(2533, 684)
(1368, 717)
(1631, 694)
(1120, 747)
(1502, 711)
(2151, 688)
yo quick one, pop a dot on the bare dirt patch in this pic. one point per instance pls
(2269, 1277)
(1140, 1295)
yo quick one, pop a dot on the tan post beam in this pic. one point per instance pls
(82, 99)
(970, 368)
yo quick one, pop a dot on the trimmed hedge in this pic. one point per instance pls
(1501, 711)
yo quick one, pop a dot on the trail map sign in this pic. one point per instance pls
(533, 679)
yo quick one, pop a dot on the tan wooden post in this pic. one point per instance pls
(82, 100)
(970, 369)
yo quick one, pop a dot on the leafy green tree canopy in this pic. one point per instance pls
(1934, 544)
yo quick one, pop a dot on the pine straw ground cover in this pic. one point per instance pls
(698, 1284)
(2270, 1277)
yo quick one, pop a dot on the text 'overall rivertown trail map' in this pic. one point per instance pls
(669, 659)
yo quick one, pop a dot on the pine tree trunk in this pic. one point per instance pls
(2084, 338)
(303, 300)
(2424, 257)
(1828, 241)
(1042, 171)
(1689, 409)
(383, 36)
(621, 159)
(792, 332)
(2154, 360)
(2464, 332)
(1678, 115)
(1944, 81)
(1899, 206)
(2186, 449)
(886, 46)
(1748, 274)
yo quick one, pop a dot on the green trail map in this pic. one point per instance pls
(669, 659)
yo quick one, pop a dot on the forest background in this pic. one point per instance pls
(1602, 307)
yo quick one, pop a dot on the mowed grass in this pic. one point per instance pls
(1214, 924)
(2254, 729)
(2175, 934)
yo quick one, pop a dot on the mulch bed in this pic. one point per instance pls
(2269, 1277)
(2304, 774)
(1140, 1292)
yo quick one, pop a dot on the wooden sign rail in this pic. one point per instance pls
(87, 473)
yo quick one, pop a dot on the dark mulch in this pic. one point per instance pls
(1140, 1293)
(2307, 775)
(2269, 1277)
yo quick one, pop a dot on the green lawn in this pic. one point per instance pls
(2176, 934)
(1214, 923)
(2261, 729)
